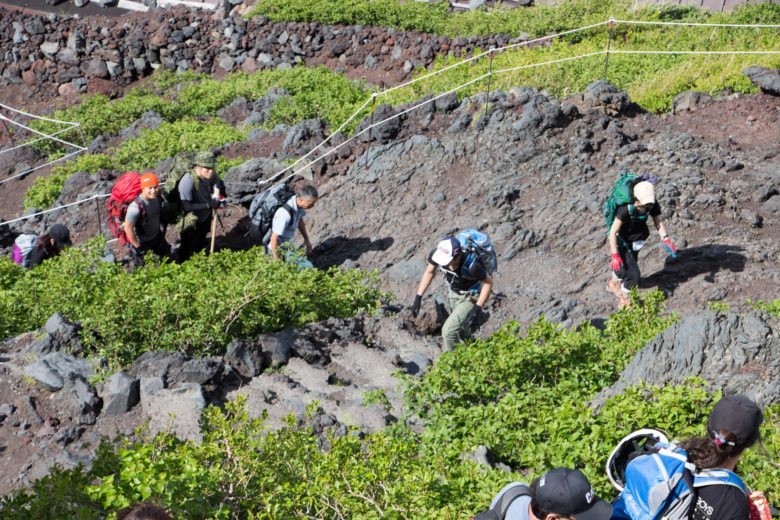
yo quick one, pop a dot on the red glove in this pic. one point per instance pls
(617, 263)
(670, 247)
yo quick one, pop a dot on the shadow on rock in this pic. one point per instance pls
(338, 250)
(694, 261)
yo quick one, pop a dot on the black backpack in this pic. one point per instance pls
(498, 512)
(265, 205)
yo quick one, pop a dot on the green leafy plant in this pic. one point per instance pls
(196, 307)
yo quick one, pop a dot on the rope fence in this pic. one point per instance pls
(611, 23)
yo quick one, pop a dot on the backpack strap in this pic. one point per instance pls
(719, 477)
(509, 496)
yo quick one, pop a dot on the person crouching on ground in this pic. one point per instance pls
(469, 288)
(627, 236)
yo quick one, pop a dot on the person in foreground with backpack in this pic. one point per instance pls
(201, 194)
(142, 222)
(469, 286)
(561, 493)
(286, 219)
(49, 245)
(695, 479)
(627, 235)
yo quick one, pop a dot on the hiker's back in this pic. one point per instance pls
(664, 484)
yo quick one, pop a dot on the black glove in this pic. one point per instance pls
(214, 204)
(474, 314)
(416, 306)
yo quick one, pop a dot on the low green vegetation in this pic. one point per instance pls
(142, 153)
(523, 394)
(179, 100)
(196, 307)
(652, 81)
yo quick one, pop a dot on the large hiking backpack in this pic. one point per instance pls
(172, 209)
(126, 190)
(265, 205)
(23, 246)
(623, 194)
(508, 495)
(664, 484)
(478, 243)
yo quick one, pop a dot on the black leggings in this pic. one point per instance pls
(629, 274)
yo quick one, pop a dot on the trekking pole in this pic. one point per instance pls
(213, 228)
(609, 44)
(221, 225)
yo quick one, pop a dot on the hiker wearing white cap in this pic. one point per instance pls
(627, 236)
(469, 288)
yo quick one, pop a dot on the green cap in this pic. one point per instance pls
(205, 159)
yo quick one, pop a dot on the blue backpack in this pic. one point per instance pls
(478, 243)
(663, 484)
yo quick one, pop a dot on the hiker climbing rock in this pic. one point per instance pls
(142, 222)
(201, 194)
(695, 478)
(561, 493)
(29, 250)
(275, 215)
(469, 282)
(630, 204)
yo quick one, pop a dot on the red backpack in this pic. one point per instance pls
(126, 190)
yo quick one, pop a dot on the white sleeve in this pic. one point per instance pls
(281, 221)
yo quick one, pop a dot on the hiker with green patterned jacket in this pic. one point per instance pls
(627, 236)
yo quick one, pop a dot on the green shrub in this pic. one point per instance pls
(141, 153)
(241, 471)
(196, 307)
(98, 115)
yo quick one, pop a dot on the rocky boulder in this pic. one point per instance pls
(736, 353)
(768, 80)
(606, 95)
(54, 370)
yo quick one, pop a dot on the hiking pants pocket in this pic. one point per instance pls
(457, 328)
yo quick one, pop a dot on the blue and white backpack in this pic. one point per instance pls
(478, 243)
(661, 483)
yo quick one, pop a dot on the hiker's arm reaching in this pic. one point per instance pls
(130, 234)
(190, 206)
(274, 245)
(613, 232)
(484, 293)
(426, 279)
(305, 235)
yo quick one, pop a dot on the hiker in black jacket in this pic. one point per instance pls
(200, 194)
(50, 244)
(627, 236)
